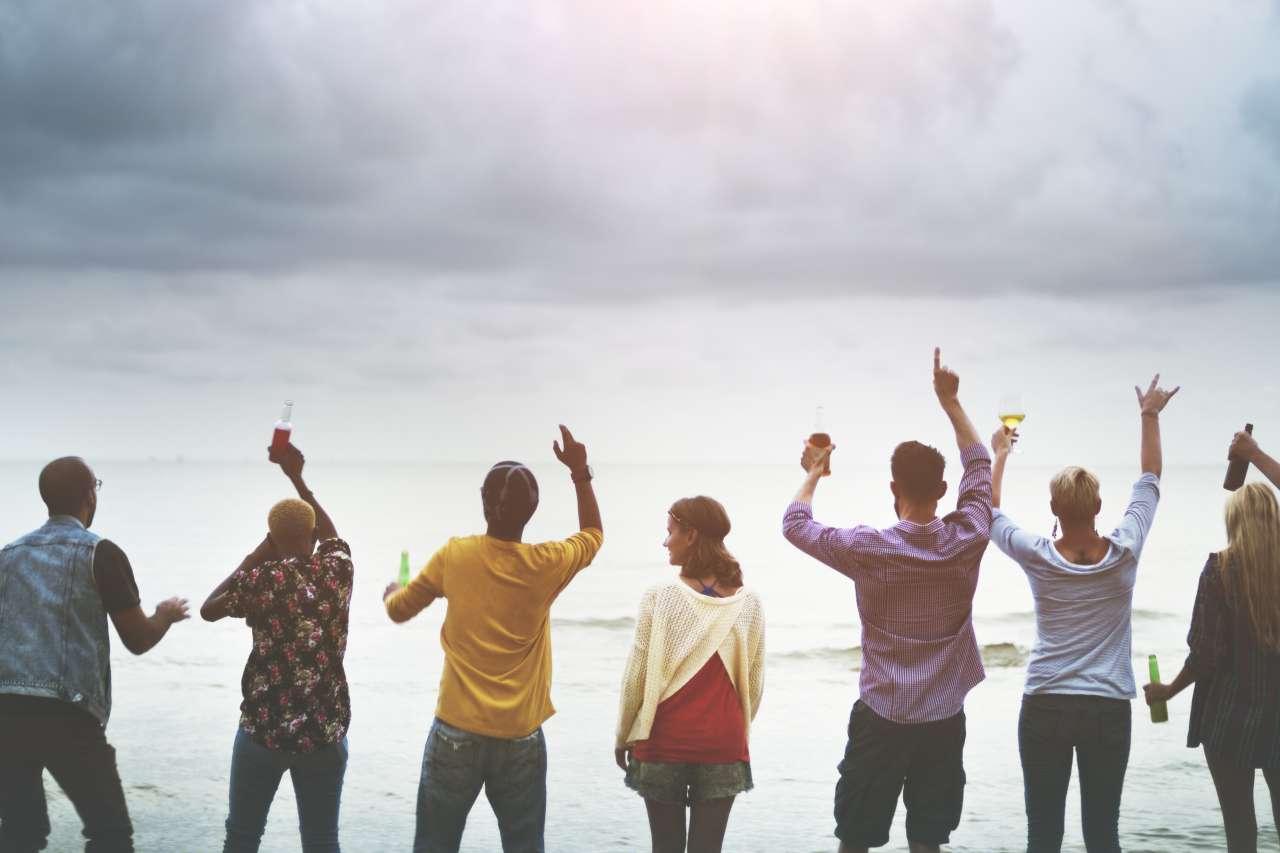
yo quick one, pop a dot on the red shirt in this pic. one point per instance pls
(701, 723)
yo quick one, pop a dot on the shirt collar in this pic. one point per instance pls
(912, 527)
(66, 520)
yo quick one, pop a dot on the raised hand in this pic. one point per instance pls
(290, 460)
(1003, 440)
(1243, 446)
(946, 384)
(814, 459)
(1155, 398)
(573, 454)
(173, 610)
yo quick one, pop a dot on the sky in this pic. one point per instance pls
(444, 228)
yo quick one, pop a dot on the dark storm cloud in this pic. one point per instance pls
(576, 150)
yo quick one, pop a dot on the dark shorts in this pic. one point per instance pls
(922, 762)
(688, 783)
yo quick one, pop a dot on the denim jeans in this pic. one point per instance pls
(74, 749)
(317, 787)
(1050, 728)
(455, 764)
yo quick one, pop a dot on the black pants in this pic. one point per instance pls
(1050, 729)
(922, 762)
(74, 749)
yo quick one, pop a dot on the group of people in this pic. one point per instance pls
(694, 678)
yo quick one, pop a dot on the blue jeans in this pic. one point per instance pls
(455, 764)
(1051, 729)
(317, 787)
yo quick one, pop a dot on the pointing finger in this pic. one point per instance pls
(937, 358)
(1175, 390)
(568, 436)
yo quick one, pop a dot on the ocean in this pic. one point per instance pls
(186, 525)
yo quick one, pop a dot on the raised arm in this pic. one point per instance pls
(1150, 405)
(574, 457)
(946, 384)
(291, 461)
(1002, 442)
(215, 606)
(1243, 446)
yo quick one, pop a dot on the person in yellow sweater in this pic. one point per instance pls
(692, 685)
(495, 690)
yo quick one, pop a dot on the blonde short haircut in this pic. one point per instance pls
(1075, 493)
(292, 523)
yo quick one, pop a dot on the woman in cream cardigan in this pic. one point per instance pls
(692, 685)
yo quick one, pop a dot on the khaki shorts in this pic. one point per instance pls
(688, 783)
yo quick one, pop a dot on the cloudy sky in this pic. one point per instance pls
(442, 228)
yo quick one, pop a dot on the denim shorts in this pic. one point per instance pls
(688, 783)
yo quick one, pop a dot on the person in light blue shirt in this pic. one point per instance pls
(1080, 675)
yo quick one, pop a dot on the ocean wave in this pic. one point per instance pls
(1028, 617)
(995, 655)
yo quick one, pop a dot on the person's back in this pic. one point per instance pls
(1075, 706)
(294, 591)
(1083, 611)
(495, 688)
(914, 583)
(53, 626)
(497, 629)
(59, 585)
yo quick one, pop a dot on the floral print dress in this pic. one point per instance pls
(294, 686)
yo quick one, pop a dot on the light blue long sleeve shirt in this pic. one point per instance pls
(1083, 613)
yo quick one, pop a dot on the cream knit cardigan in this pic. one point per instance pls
(677, 632)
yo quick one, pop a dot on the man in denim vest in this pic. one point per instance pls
(58, 584)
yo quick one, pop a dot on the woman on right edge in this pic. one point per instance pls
(692, 685)
(1234, 658)
(1080, 676)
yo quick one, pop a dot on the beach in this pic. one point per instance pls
(185, 526)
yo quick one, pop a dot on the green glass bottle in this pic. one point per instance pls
(1159, 710)
(404, 568)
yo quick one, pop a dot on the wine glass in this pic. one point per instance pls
(1012, 412)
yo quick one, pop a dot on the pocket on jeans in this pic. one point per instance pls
(451, 757)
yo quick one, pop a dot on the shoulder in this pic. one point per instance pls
(662, 592)
(334, 546)
(1212, 571)
(109, 550)
(751, 602)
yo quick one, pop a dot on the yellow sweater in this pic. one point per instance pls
(497, 630)
(677, 632)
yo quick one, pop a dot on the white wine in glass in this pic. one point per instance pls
(1012, 412)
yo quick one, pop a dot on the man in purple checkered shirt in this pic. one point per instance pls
(914, 584)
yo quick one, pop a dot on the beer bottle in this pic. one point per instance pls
(404, 568)
(1237, 469)
(1159, 710)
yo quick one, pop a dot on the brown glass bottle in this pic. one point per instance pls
(818, 438)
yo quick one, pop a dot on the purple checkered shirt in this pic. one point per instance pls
(914, 585)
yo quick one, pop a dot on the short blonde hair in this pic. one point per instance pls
(1075, 493)
(292, 523)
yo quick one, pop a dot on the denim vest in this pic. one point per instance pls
(53, 628)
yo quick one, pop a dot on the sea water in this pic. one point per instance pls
(185, 526)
